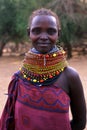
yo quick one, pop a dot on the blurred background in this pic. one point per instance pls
(14, 15)
(14, 42)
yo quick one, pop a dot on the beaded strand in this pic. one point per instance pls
(38, 68)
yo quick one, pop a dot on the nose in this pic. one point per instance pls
(44, 36)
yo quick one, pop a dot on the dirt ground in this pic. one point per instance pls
(10, 64)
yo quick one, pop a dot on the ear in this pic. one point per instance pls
(59, 33)
(28, 31)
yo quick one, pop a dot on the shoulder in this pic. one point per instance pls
(72, 74)
(15, 76)
(73, 78)
(13, 82)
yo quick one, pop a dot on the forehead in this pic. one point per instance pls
(44, 20)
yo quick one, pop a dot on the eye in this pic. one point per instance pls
(51, 31)
(36, 31)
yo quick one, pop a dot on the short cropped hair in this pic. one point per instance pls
(44, 11)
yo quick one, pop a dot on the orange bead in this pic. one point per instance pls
(41, 80)
(28, 78)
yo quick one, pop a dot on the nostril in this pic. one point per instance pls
(44, 36)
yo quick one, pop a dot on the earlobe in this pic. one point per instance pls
(28, 31)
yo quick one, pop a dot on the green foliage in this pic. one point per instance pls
(14, 16)
(81, 23)
(7, 17)
(14, 19)
(73, 19)
(42, 3)
(69, 28)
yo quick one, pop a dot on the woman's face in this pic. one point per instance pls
(43, 33)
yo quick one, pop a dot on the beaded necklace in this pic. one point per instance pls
(39, 68)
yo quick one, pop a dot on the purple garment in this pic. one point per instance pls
(36, 108)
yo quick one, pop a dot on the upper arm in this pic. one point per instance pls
(78, 105)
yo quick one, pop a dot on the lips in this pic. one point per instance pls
(43, 43)
(43, 47)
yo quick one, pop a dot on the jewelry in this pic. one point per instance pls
(38, 68)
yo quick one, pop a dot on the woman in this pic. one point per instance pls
(40, 94)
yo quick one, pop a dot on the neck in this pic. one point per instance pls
(55, 48)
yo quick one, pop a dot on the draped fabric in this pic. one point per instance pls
(7, 121)
(31, 107)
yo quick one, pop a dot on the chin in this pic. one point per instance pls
(44, 51)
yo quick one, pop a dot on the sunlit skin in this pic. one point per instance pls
(43, 33)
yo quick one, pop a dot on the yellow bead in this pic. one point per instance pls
(44, 78)
(25, 76)
(20, 68)
(62, 69)
(54, 55)
(63, 52)
(34, 80)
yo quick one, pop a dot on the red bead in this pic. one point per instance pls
(47, 56)
(40, 55)
(50, 76)
(57, 72)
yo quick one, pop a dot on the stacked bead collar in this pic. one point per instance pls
(39, 68)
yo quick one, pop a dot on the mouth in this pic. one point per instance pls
(43, 44)
(43, 47)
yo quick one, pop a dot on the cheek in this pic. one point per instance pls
(54, 38)
(32, 37)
